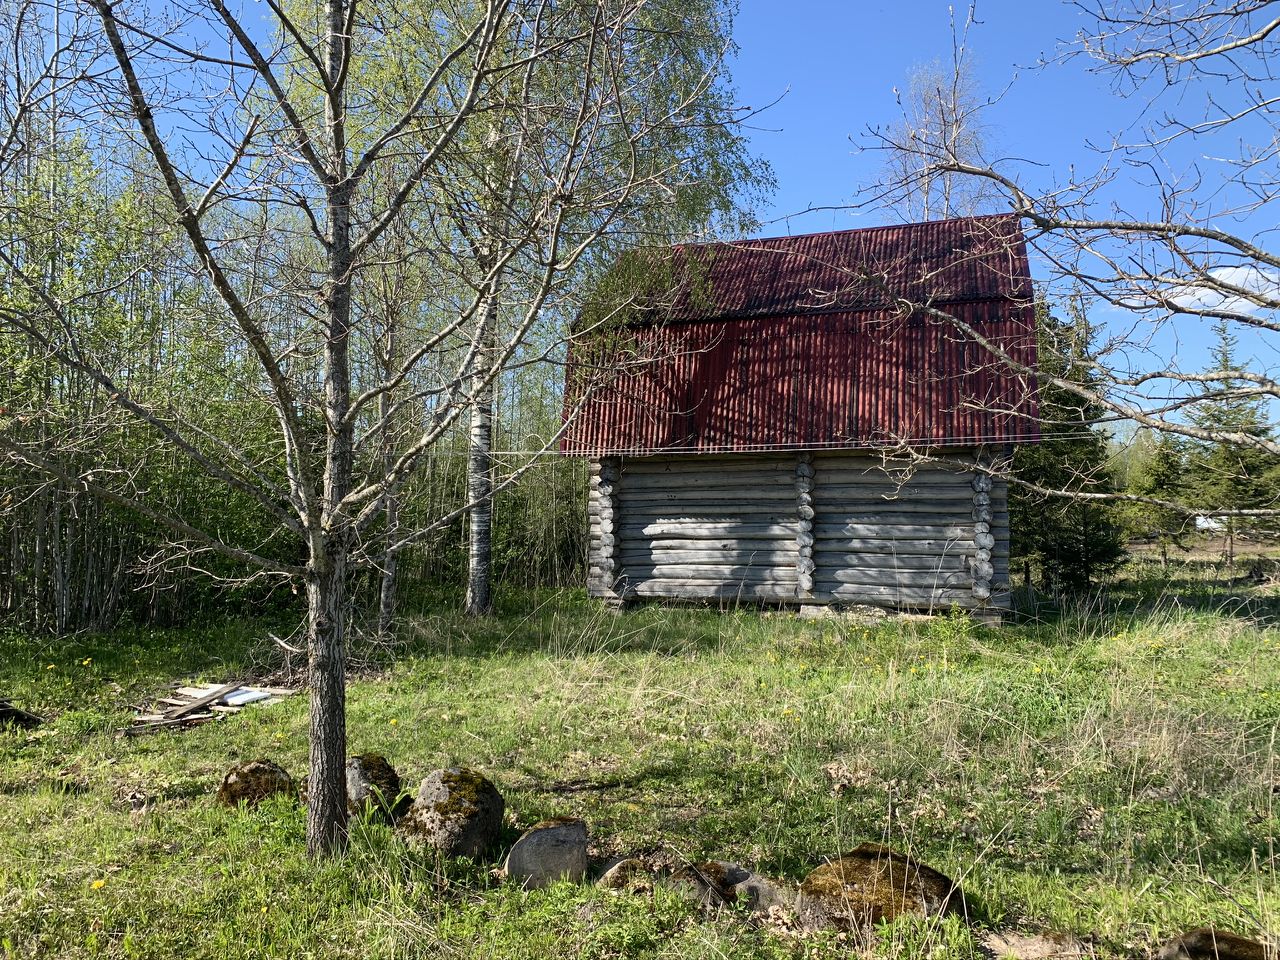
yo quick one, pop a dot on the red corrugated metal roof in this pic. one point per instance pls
(806, 342)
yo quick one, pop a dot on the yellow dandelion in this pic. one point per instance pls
(86, 661)
(394, 721)
(99, 884)
(264, 910)
(51, 666)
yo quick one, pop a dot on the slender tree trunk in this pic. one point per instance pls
(326, 670)
(480, 469)
(390, 562)
(330, 543)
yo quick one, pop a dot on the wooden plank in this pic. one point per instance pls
(212, 697)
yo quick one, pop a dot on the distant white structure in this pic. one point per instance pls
(1210, 525)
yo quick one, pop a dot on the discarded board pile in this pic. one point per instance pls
(188, 706)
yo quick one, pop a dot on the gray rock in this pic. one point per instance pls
(372, 784)
(625, 875)
(870, 884)
(549, 851)
(457, 811)
(251, 783)
(718, 883)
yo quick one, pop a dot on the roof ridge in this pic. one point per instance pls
(848, 230)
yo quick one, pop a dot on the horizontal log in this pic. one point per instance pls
(751, 499)
(900, 530)
(893, 578)
(831, 557)
(692, 464)
(711, 573)
(910, 594)
(705, 529)
(907, 496)
(632, 554)
(677, 589)
(706, 481)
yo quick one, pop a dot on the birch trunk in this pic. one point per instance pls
(480, 469)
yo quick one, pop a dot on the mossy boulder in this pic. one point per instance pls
(870, 884)
(1209, 943)
(372, 785)
(251, 783)
(549, 851)
(457, 811)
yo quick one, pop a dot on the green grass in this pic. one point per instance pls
(1108, 774)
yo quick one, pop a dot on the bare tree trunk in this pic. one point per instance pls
(480, 469)
(326, 670)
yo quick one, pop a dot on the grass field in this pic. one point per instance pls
(1109, 773)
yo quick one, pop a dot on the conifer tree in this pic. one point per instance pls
(1070, 540)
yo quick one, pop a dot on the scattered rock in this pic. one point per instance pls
(1207, 943)
(251, 783)
(718, 883)
(711, 884)
(372, 784)
(627, 874)
(1008, 945)
(870, 884)
(549, 851)
(457, 811)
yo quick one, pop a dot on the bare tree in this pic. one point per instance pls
(943, 113)
(1193, 251)
(296, 161)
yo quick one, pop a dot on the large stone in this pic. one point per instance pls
(870, 884)
(251, 783)
(1208, 943)
(372, 784)
(718, 883)
(549, 851)
(457, 811)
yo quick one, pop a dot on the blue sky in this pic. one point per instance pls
(835, 64)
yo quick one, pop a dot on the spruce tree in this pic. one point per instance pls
(1071, 541)
(1230, 476)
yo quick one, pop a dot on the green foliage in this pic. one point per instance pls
(1071, 540)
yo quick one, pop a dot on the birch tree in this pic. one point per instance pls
(288, 167)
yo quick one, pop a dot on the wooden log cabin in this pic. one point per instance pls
(812, 420)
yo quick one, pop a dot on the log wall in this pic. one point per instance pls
(820, 528)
